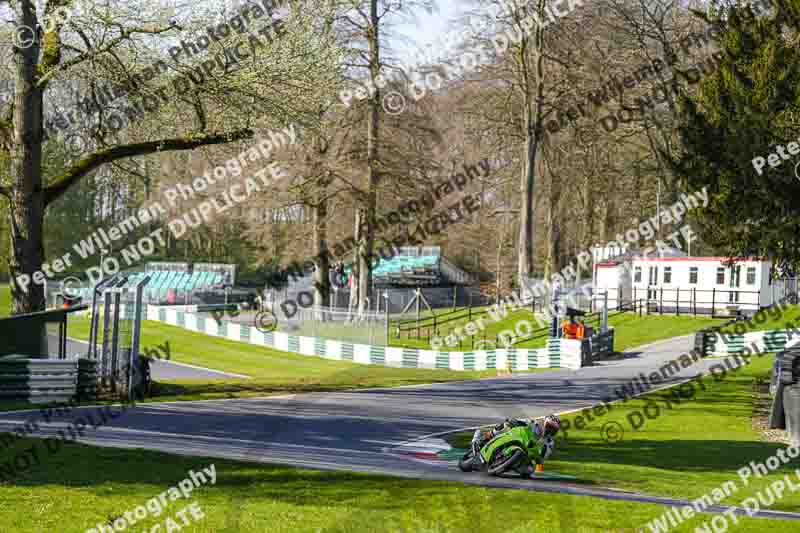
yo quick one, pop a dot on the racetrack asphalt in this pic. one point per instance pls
(363, 430)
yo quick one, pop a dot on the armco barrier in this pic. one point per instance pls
(785, 411)
(47, 380)
(593, 348)
(558, 353)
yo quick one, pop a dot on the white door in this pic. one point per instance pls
(733, 295)
(652, 281)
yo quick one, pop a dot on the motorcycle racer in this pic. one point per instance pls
(545, 432)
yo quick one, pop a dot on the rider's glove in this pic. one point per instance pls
(476, 436)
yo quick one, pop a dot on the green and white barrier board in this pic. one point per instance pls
(722, 345)
(559, 353)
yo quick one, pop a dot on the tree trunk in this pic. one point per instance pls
(499, 261)
(366, 243)
(355, 276)
(27, 197)
(533, 98)
(553, 241)
(525, 245)
(322, 285)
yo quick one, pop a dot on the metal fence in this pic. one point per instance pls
(336, 324)
(396, 298)
(369, 327)
(696, 301)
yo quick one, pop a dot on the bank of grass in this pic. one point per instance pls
(682, 452)
(5, 300)
(631, 330)
(772, 319)
(272, 371)
(80, 486)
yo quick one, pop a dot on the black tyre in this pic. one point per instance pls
(466, 461)
(501, 464)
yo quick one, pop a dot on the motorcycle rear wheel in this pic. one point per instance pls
(500, 466)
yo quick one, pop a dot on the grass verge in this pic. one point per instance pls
(683, 451)
(5, 300)
(81, 486)
(772, 319)
(272, 371)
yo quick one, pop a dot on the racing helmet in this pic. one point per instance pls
(551, 425)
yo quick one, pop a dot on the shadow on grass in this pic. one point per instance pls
(676, 455)
(106, 470)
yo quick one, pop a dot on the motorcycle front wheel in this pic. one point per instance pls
(501, 464)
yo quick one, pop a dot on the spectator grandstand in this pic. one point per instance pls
(178, 283)
(416, 267)
(397, 277)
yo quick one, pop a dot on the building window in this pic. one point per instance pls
(693, 275)
(720, 276)
(637, 274)
(751, 275)
(667, 274)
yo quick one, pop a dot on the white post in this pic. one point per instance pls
(386, 297)
(604, 326)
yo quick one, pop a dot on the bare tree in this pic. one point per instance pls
(108, 44)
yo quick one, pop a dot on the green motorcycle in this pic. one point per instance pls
(516, 449)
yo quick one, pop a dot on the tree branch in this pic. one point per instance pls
(52, 54)
(81, 168)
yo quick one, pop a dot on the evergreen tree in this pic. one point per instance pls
(746, 109)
